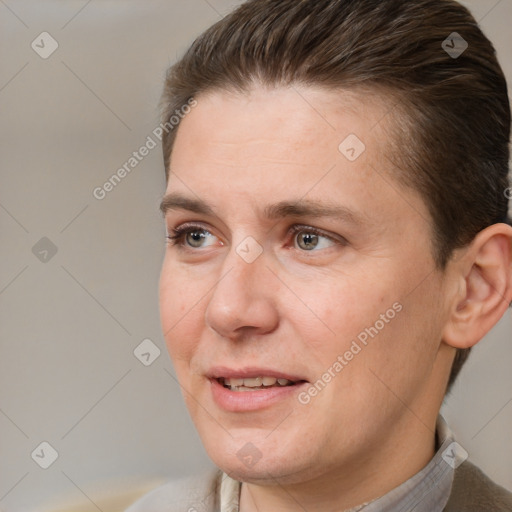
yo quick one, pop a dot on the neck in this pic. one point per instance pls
(405, 452)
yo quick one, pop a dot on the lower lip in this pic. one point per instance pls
(243, 401)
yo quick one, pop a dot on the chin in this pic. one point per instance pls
(261, 473)
(242, 460)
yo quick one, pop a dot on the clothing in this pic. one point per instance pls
(448, 483)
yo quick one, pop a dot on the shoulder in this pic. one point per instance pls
(472, 490)
(195, 494)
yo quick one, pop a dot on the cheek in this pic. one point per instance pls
(374, 325)
(180, 306)
(340, 308)
(401, 336)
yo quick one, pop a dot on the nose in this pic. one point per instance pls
(244, 301)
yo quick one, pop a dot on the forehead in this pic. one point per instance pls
(288, 143)
(289, 126)
(292, 111)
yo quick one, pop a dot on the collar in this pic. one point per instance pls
(427, 491)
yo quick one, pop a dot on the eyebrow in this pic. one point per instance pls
(282, 209)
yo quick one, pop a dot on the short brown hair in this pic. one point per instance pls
(452, 124)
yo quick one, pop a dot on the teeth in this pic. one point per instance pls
(253, 383)
(237, 384)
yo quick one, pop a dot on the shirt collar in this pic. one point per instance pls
(427, 491)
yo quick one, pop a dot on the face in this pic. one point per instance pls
(299, 300)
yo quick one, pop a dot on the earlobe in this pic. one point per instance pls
(486, 290)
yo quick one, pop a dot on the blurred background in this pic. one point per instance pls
(91, 415)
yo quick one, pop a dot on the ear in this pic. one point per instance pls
(484, 275)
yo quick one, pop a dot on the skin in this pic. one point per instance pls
(298, 309)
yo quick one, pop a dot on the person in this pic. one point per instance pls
(338, 240)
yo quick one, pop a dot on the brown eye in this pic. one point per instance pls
(309, 239)
(189, 236)
(195, 238)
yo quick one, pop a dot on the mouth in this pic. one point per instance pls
(251, 389)
(240, 384)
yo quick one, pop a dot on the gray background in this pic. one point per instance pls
(69, 325)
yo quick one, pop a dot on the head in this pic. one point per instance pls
(304, 105)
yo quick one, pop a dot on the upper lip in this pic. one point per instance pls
(249, 372)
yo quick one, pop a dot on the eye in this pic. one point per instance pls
(190, 235)
(310, 239)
